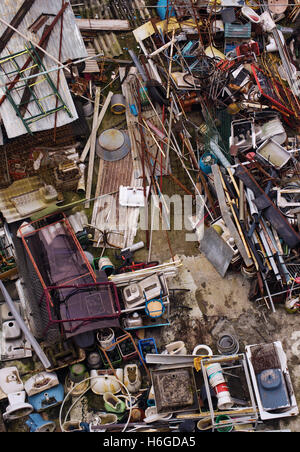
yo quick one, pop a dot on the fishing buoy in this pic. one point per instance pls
(163, 10)
(206, 162)
(202, 350)
(176, 348)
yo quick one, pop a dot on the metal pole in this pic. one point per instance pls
(29, 336)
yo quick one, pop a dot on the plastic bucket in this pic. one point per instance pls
(225, 428)
(227, 345)
(224, 398)
(215, 374)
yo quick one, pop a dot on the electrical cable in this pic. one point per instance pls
(79, 398)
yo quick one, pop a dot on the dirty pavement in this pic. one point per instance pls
(150, 216)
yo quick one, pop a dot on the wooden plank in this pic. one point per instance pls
(103, 24)
(93, 147)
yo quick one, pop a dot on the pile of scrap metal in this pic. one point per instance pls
(209, 87)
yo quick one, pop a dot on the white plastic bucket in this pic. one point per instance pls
(224, 401)
(215, 374)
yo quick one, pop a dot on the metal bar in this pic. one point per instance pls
(38, 46)
(15, 22)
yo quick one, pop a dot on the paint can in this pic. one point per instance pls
(113, 145)
(222, 419)
(106, 265)
(118, 104)
(228, 345)
(215, 374)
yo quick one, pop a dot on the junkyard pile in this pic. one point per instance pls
(111, 111)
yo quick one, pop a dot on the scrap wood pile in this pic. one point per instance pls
(205, 96)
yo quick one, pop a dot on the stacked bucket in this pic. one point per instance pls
(217, 381)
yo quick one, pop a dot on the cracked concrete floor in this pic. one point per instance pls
(215, 305)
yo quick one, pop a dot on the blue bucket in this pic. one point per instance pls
(206, 162)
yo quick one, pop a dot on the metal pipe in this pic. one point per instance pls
(29, 336)
(138, 65)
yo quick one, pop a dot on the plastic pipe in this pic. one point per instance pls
(29, 336)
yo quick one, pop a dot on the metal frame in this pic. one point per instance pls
(117, 342)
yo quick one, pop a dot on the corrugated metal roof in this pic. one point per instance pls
(72, 48)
